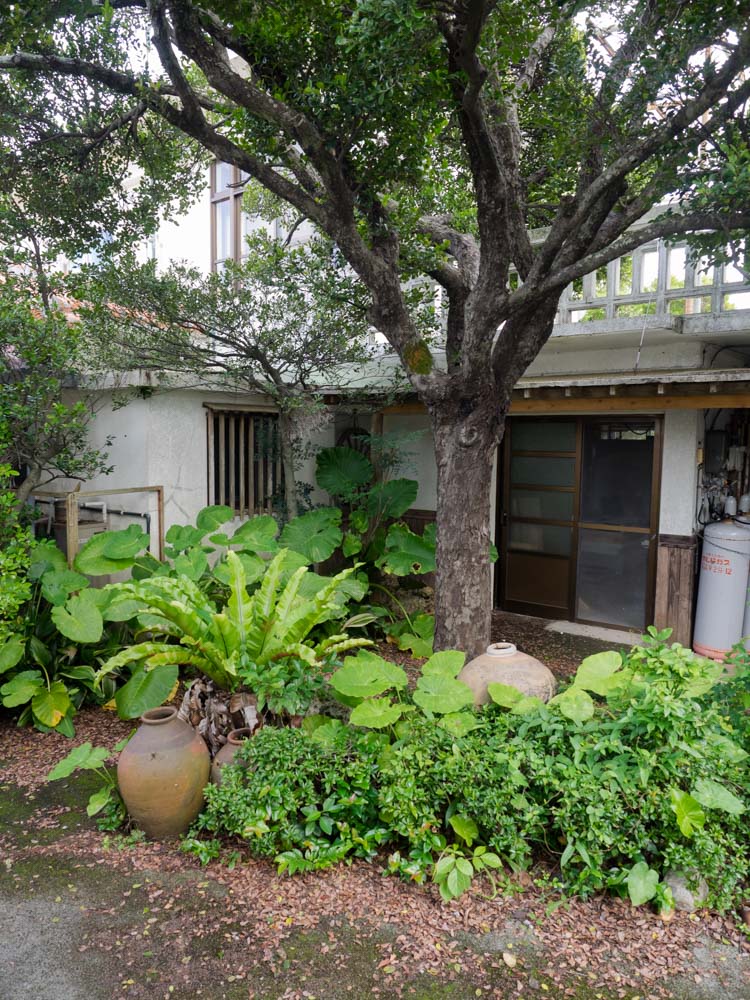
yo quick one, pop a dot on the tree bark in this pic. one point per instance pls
(286, 449)
(465, 447)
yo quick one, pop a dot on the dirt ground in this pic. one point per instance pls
(92, 916)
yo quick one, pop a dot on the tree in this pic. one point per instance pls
(285, 323)
(427, 137)
(42, 434)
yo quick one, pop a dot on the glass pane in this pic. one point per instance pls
(223, 210)
(547, 538)
(625, 275)
(612, 574)
(542, 471)
(543, 435)
(224, 176)
(548, 504)
(649, 271)
(676, 278)
(616, 478)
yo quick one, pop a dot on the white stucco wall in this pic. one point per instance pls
(679, 478)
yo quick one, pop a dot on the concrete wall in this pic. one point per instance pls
(679, 476)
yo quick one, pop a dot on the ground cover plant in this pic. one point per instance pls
(625, 776)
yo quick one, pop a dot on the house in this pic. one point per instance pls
(625, 435)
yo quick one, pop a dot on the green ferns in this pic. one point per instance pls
(270, 625)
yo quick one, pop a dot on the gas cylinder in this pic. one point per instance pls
(744, 519)
(722, 588)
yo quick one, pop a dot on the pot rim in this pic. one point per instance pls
(502, 649)
(159, 716)
(235, 738)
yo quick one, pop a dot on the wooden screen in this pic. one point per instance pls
(244, 470)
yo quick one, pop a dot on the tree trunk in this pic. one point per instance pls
(465, 447)
(27, 487)
(286, 449)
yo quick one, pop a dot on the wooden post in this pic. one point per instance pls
(71, 527)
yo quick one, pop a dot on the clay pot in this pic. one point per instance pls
(162, 773)
(228, 752)
(504, 664)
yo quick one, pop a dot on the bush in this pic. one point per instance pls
(623, 776)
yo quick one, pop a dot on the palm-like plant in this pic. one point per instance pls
(271, 624)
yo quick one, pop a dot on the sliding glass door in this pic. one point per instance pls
(578, 518)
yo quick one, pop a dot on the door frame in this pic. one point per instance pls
(502, 521)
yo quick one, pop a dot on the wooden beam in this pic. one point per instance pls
(632, 404)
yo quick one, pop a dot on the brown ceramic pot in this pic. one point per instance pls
(162, 773)
(228, 752)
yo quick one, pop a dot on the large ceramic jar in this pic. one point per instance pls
(503, 663)
(162, 773)
(228, 752)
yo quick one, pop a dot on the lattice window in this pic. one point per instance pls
(244, 464)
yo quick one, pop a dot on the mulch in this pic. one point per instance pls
(603, 942)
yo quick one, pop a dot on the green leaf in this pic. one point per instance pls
(442, 695)
(376, 713)
(595, 671)
(575, 704)
(367, 674)
(457, 881)
(58, 584)
(690, 816)
(11, 653)
(183, 536)
(80, 619)
(253, 566)
(99, 800)
(504, 695)
(146, 689)
(122, 610)
(21, 688)
(714, 795)
(315, 534)
(420, 643)
(45, 557)
(92, 561)
(85, 757)
(392, 498)
(51, 706)
(527, 705)
(257, 535)
(406, 553)
(126, 543)
(210, 518)
(459, 723)
(465, 827)
(342, 471)
(192, 563)
(641, 882)
(351, 545)
(448, 662)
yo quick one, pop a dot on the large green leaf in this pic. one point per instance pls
(126, 543)
(80, 619)
(183, 536)
(315, 534)
(504, 695)
(210, 518)
(342, 471)
(714, 795)
(253, 566)
(465, 827)
(406, 552)
(642, 882)
(376, 713)
(21, 688)
(99, 799)
(595, 672)
(393, 498)
(146, 689)
(459, 723)
(690, 816)
(575, 704)
(257, 535)
(11, 653)
(92, 560)
(192, 563)
(367, 674)
(447, 662)
(45, 556)
(421, 639)
(58, 584)
(50, 706)
(85, 757)
(442, 695)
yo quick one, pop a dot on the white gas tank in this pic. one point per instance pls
(722, 588)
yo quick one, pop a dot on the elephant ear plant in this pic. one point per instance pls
(233, 645)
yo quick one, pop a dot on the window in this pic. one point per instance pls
(244, 463)
(228, 223)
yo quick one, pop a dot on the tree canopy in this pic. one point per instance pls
(423, 137)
